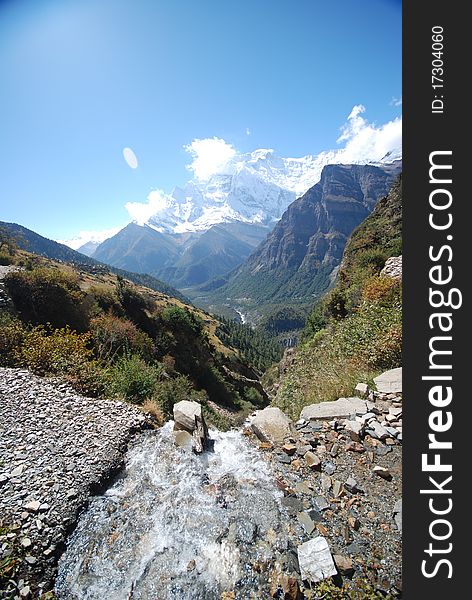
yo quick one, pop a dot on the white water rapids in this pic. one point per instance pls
(178, 526)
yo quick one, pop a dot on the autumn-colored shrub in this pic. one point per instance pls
(383, 290)
(106, 299)
(12, 335)
(56, 351)
(113, 336)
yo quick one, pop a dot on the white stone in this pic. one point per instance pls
(185, 413)
(354, 426)
(272, 425)
(33, 506)
(393, 267)
(338, 409)
(315, 560)
(390, 382)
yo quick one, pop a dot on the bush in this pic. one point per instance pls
(373, 259)
(335, 304)
(60, 351)
(171, 391)
(113, 337)
(253, 396)
(46, 295)
(182, 320)
(12, 335)
(106, 299)
(315, 322)
(132, 379)
(381, 290)
(6, 259)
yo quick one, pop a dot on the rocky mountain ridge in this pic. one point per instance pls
(297, 260)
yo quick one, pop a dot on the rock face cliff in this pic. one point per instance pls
(298, 257)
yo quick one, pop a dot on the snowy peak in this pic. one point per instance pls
(254, 187)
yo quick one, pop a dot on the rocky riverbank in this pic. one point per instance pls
(338, 467)
(56, 449)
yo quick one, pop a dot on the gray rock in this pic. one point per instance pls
(315, 560)
(397, 514)
(377, 431)
(293, 505)
(188, 417)
(33, 506)
(272, 425)
(390, 382)
(282, 458)
(393, 267)
(362, 389)
(320, 503)
(337, 488)
(329, 468)
(342, 408)
(307, 522)
(355, 429)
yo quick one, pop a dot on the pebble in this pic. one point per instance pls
(382, 472)
(312, 460)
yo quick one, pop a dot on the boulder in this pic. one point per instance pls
(272, 425)
(183, 439)
(188, 418)
(342, 408)
(390, 382)
(393, 267)
(185, 414)
(315, 560)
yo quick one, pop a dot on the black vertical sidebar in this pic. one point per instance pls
(436, 35)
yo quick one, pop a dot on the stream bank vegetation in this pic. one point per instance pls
(109, 337)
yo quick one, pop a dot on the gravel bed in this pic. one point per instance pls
(56, 449)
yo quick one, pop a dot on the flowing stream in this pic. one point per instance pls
(178, 525)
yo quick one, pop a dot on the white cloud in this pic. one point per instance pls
(210, 155)
(396, 101)
(248, 131)
(90, 236)
(130, 157)
(364, 141)
(141, 212)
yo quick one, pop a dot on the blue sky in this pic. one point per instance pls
(83, 79)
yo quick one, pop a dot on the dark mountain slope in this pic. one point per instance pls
(31, 241)
(296, 260)
(138, 248)
(183, 260)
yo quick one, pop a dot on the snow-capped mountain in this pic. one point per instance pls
(256, 187)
